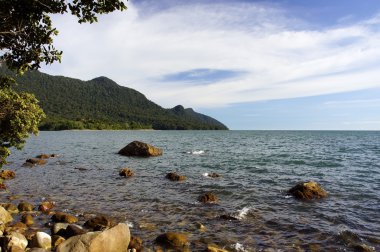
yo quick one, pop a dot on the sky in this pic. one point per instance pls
(255, 65)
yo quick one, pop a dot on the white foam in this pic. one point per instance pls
(239, 247)
(243, 212)
(129, 224)
(288, 196)
(205, 174)
(196, 152)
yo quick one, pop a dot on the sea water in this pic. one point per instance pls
(256, 167)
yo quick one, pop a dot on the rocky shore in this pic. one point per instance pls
(47, 226)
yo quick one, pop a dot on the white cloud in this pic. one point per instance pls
(283, 60)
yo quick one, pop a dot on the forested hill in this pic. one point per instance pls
(103, 104)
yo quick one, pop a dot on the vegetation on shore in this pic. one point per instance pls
(102, 104)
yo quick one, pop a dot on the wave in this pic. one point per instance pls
(239, 247)
(196, 152)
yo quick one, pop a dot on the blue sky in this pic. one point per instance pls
(285, 64)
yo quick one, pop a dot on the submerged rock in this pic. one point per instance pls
(307, 191)
(173, 240)
(11, 208)
(213, 175)
(35, 161)
(228, 217)
(126, 172)
(173, 176)
(207, 197)
(7, 174)
(44, 156)
(115, 239)
(137, 148)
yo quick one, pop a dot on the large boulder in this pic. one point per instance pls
(137, 148)
(307, 191)
(115, 239)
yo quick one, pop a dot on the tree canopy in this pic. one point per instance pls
(26, 30)
(26, 41)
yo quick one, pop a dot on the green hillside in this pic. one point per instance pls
(102, 104)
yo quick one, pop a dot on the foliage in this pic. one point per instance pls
(19, 116)
(26, 31)
(102, 104)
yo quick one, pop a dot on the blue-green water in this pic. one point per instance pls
(257, 168)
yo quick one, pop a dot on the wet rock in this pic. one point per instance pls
(5, 216)
(27, 219)
(38, 250)
(7, 174)
(14, 241)
(99, 223)
(41, 240)
(46, 206)
(173, 240)
(11, 208)
(64, 217)
(307, 191)
(362, 248)
(207, 197)
(115, 239)
(35, 161)
(25, 207)
(213, 175)
(200, 227)
(70, 231)
(214, 248)
(173, 176)
(126, 172)
(137, 148)
(136, 244)
(16, 227)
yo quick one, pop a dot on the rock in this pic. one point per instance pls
(11, 208)
(173, 240)
(46, 206)
(207, 197)
(58, 226)
(17, 240)
(35, 161)
(43, 156)
(213, 175)
(27, 219)
(175, 177)
(307, 191)
(126, 172)
(214, 248)
(99, 223)
(56, 240)
(25, 207)
(41, 240)
(70, 231)
(64, 217)
(140, 149)
(228, 217)
(38, 250)
(115, 239)
(7, 174)
(3, 186)
(200, 227)
(136, 244)
(5, 216)
(16, 227)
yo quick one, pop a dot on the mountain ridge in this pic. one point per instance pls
(101, 103)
